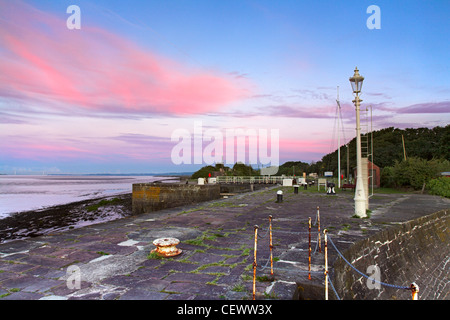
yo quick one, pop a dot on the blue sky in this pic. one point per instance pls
(264, 64)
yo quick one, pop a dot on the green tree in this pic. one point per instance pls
(414, 172)
(203, 172)
(440, 186)
(241, 169)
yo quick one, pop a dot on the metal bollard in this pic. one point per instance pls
(166, 247)
(326, 264)
(330, 187)
(415, 291)
(309, 250)
(270, 245)
(279, 196)
(254, 262)
(296, 189)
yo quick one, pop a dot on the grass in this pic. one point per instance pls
(388, 191)
(10, 291)
(238, 288)
(368, 215)
(154, 255)
(102, 203)
(224, 204)
(200, 240)
(264, 279)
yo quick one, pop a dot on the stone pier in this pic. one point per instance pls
(149, 197)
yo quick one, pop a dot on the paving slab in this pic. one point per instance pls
(217, 240)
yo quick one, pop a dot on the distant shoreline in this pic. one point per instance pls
(169, 174)
(36, 192)
(72, 215)
(37, 222)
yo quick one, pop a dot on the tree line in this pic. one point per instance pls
(408, 158)
(423, 143)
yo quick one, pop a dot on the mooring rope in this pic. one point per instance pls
(364, 275)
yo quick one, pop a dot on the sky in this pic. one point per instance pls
(158, 86)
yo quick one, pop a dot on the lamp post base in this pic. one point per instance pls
(360, 199)
(360, 208)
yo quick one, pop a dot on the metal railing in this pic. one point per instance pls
(252, 179)
(327, 239)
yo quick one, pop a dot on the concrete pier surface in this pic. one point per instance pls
(113, 260)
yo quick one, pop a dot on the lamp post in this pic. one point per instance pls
(360, 196)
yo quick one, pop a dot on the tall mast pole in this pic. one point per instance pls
(339, 140)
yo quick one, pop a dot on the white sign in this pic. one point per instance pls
(328, 173)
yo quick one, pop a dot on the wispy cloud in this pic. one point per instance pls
(143, 140)
(298, 112)
(429, 107)
(96, 70)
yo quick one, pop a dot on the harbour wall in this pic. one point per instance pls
(148, 197)
(416, 251)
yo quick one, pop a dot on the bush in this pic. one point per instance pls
(440, 186)
(415, 172)
(203, 172)
(387, 177)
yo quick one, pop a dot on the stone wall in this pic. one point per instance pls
(416, 251)
(148, 197)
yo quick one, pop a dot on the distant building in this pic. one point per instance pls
(313, 175)
(374, 171)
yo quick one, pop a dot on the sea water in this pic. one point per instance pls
(23, 193)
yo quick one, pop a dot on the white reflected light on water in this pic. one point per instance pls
(23, 193)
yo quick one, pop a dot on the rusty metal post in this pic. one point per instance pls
(415, 291)
(270, 245)
(309, 249)
(254, 262)
(318, 228)
(326, 264)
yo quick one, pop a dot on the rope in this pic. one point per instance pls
(265, 266)
(284, 269)
(332, 287)
(267, 232)
(317, 245)
(364, 275)
(314, 224)
(318, 272)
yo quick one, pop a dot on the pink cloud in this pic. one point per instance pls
(94, 69)
(319, 145)
(51, 149)
(17, 148)
(429, 107)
